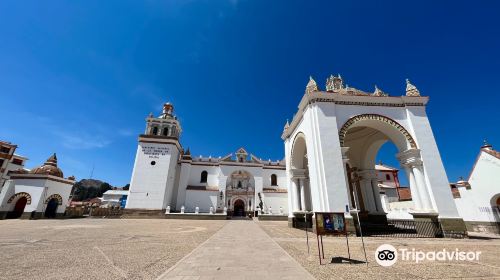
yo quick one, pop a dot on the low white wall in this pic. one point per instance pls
(399, 210)
(203, 199)
(275, 201)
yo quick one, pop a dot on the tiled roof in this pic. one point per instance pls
(383, 167)
(201, 188)
(404, 194)
(492, 152)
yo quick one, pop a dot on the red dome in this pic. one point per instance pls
(49, 168)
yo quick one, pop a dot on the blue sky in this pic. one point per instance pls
(79, 77)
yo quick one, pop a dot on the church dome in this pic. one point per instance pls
(49, 168)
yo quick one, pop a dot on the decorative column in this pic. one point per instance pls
(411, 161)
(298, 177)
(302, 195)
(372, 201)
(376, 194)
(295, 196)
(422, 186)
(308, 198)
(415, 195)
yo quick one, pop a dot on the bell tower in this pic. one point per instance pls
(154, 173)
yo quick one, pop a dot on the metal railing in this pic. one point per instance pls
(405, 229)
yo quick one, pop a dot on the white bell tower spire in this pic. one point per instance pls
(153, 176)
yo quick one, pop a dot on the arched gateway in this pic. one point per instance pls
(332, 142)
(240, 192)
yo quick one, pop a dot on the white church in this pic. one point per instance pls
(166, 176)
(329, 166)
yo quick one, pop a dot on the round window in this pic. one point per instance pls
(153, 162)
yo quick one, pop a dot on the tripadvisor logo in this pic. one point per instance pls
(387, 255)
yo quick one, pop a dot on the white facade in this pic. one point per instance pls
(329, 166)
(113, 197)
(42, 192)
(332, 142)
(165, 175)
(9, 161)
(479, 199)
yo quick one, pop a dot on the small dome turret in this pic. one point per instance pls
(168, 110)
(49, 168)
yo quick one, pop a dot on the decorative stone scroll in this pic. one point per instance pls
(19, 195)
(411, 90)
(57, 197)
(379, 92)
(311, 86)
(358, 118)
(334, 83)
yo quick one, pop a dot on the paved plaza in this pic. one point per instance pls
(194, 249)
(240, 250)
(294, 242)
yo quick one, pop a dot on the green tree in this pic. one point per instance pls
(103, 188)
(92, 192)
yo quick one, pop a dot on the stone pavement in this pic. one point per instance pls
(240, 250)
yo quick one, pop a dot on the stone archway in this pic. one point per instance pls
(301, 191)
(384, 124)
(361, 138)
(18, 210)
(51, 208)
(240, 185)
(56, 197)
(19, 195)
(495, 207)
(239, 208)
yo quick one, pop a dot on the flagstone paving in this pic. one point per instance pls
(240, 250)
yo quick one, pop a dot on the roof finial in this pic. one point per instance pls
(311, 85)
(287, 125)
(334, 83)
(486, 145)
(378, 92)
(411, 90)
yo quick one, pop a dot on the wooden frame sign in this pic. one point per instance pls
(330, 223)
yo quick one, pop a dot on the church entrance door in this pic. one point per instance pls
(50, 211)
(18, 208)
(239, 208)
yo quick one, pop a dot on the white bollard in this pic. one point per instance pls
(225, 210)
(211, 210)
(197, 210)
(168, 210)
(269, 210)
(281, 210)
(182, 209)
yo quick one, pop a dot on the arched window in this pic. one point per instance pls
(204, 176)
(274, 180)
(165, 131)
(387, 177)
(155, 130)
